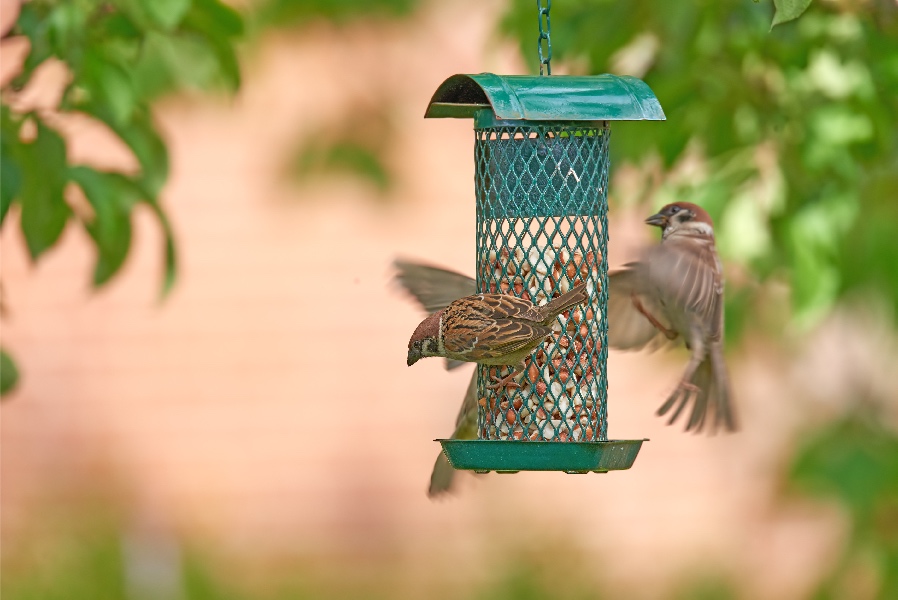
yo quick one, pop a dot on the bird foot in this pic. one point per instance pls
(501, 382)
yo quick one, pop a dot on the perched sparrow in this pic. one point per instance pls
(679, 281)
(494, 329)
(489, 329)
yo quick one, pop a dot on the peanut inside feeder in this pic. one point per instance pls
(541, 230)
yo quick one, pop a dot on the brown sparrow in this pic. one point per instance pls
(490, 329)
(676, 290)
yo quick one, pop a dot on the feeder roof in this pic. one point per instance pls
(553, 98)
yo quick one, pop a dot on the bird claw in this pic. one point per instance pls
(501, 382)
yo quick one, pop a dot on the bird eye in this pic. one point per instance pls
(674, 210)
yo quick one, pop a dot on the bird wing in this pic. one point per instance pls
(629, 329)
(687, 274)
(506, 306)
(433, 287)
(494, 339)
(463, 426)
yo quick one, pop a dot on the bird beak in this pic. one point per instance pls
(658, 220)
(413, 356)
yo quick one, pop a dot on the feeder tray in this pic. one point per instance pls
(541, 178)
(501, 456)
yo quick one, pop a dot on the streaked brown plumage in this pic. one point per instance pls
(490, 329)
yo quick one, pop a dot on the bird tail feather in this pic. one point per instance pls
(570, 299)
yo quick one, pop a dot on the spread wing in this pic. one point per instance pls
(433, 287)
(464, 429)
(687, 274)
(628, 329)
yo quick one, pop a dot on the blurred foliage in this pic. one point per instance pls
(9, 374)
(120, 56)
(290, 13)
(855, 462)
(712, 586)
(787, 10)
(797, 128)
(343, 155)
(101, 559)
(356, 146)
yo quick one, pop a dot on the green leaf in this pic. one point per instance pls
(10, 173)
(220, 46)
(9, 374)
(112, 196)
(44, 210)
(67, 25)
(33, 24)
(184, 60)
(10, 182)
(148, 15)
(215, 18)
(170, 258)
(141, 137)
(787, 10)
(165, 13)
(109, 84)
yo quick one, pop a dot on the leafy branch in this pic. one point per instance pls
(120, 55)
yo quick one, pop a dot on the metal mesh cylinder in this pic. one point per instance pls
(541, 229)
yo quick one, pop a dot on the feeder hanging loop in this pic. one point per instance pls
(545, 33)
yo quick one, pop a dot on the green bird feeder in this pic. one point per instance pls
(541, 188)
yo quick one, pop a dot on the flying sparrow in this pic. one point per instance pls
(490, 329)
(676, 290)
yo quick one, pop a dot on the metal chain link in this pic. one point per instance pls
(545, 58)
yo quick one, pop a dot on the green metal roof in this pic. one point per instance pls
(552, 98)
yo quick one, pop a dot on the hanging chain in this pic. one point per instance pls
(545, 33)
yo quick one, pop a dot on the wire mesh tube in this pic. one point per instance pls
(542, 229)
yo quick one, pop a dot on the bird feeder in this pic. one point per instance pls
(541, 186)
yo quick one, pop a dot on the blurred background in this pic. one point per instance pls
(205, 391)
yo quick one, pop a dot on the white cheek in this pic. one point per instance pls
(703, 228)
